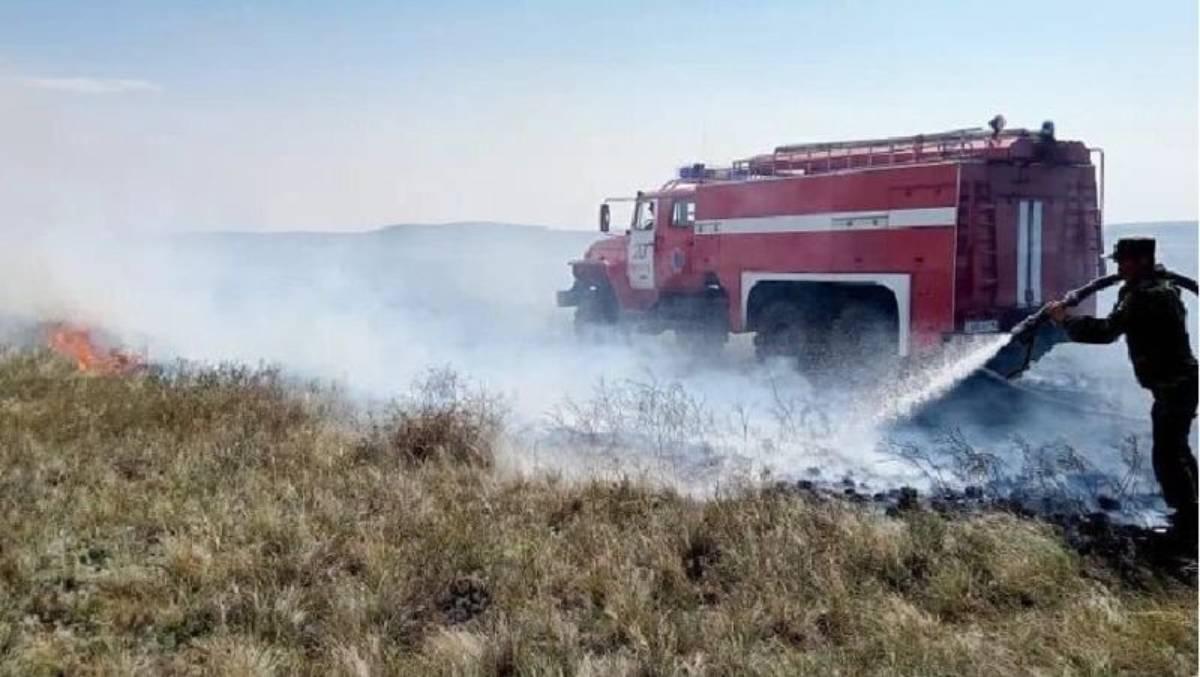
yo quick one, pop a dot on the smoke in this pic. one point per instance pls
(373, 311)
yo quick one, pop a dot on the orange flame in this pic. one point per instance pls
(78, 344)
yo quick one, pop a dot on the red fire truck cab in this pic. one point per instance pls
(873, 247)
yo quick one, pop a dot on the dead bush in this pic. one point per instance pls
(444, 418)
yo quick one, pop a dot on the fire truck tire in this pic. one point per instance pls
(703, 342)
(780, 332)
(864, 336)
(595, 316)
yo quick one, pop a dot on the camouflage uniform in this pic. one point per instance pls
(1151, 315)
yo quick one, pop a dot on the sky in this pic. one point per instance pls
(151, 116)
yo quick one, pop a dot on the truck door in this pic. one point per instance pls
(640, 256)
(673, 267)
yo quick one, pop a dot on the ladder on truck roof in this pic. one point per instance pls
(818, 158)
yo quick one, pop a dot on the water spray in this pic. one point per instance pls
(935, 382)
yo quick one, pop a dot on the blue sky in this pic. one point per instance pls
(290, 115)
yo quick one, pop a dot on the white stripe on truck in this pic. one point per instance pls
(1035, 256)
(831, 221)
(1022, 253)
(1029, 253)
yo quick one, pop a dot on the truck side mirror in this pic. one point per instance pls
(605, 217)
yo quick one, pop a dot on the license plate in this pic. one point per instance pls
(981, 326)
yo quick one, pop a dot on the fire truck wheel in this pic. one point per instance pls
(703, 342)
(780, 333)
(864, 336)
(594, 317)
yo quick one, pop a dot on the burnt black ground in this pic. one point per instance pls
(1139, 555)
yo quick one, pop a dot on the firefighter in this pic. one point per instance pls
(1151, 315)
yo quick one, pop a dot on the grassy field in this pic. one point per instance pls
(221, 521)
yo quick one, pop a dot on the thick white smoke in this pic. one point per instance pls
(373, 311)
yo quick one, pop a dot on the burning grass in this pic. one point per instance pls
(89, 353)
(223, 521)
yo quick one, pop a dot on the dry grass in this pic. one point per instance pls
(216, 521)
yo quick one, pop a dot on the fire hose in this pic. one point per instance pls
(1025, 331)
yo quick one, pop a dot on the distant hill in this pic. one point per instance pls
(471, 226)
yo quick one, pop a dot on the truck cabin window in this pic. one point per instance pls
(684, 214)
(644, 217)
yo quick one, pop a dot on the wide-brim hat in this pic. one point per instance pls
(1132, 247)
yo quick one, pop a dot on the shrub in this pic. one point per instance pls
(444, 418)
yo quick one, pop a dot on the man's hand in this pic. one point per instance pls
(1056, 311)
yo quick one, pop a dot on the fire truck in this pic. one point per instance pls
(867, 248)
